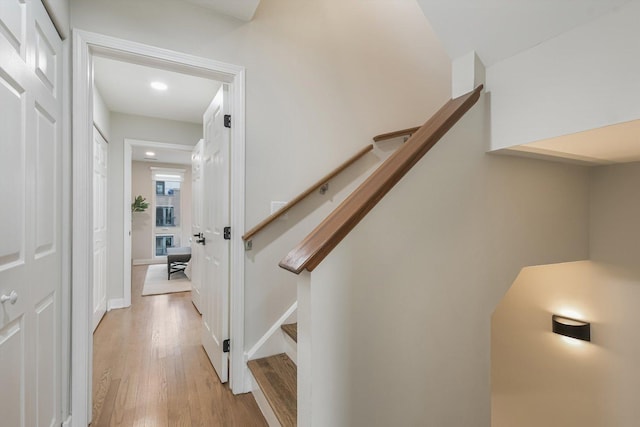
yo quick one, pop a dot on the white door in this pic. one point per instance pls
(215, 315)
(197, 250)
(100, 156)
(31, 215)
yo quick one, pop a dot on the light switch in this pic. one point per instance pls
(276, 206)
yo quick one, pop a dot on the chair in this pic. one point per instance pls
(177, 259)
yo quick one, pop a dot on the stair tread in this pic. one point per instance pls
(292, 330)
(278, 379)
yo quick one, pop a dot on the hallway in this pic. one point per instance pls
(149, 368)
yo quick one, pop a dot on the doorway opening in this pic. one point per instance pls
(166, 221)
(86, 45)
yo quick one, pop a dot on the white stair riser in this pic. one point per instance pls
(291, 347)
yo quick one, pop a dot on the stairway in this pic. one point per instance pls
(276, 376)
(291, 330)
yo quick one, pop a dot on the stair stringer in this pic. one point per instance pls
(262, 402)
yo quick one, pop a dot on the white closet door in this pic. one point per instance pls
(30, 218)
(100, 163)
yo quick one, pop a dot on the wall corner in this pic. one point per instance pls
(467, 73)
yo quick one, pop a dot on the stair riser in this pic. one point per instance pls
(291, 348)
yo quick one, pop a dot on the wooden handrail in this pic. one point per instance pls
(391, 135)
(326, 236)
(322, 181)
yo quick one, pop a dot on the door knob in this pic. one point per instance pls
(201, 241)
(12, 298)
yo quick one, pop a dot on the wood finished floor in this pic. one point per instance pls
(149, 368)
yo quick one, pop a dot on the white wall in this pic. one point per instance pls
(142, 128)
(615, 214)
(542, 379)
(401, 308)
(323, 77)
(142, 226)
(101, 114)
(59, 11)
(583, 79)
(141, 222)
(537, 378)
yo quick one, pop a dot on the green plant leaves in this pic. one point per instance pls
(139, 204)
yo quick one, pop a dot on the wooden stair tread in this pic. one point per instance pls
(292, 330)
(278, 379)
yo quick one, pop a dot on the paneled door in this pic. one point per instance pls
(100, 163)
(215, 314)
(197, 250)
(31, 215)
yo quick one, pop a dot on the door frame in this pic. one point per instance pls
(129, 143)
(85, 44)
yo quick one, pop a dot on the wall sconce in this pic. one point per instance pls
(571, 327)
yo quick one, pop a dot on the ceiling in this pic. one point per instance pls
(161, 155)
(618, 143)
(241, 9)
(125, 88)
(495, 29)
(498, 29)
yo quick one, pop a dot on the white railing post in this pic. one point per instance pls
(304, 349)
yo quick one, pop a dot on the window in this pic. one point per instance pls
(165, 216)
(163, 241)
(167, 202)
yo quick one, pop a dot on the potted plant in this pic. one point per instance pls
(139, 204)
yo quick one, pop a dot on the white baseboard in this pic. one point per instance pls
(263, 404)
(67, 423)
(161, 260)
(272, 342)
(115, 303)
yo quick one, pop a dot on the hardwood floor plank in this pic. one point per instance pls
(151, 370)
(100, 389)
(109, 402)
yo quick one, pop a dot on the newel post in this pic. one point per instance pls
(305, 372)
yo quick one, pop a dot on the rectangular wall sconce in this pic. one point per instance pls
(571, 327)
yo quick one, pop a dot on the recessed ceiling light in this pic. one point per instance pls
(159, 85)
(149, 153)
